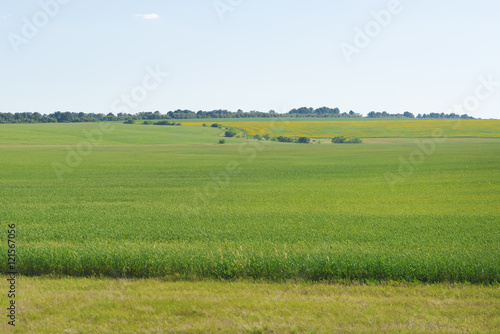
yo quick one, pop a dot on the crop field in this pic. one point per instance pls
(153, 201)
(364, 128)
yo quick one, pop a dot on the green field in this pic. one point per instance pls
(153, 201)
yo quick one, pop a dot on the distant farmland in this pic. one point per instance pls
(153, 201)
(363, 128)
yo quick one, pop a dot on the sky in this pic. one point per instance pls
(97, 56)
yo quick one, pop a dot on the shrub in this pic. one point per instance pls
(257, 137)
(344, 140)
(338, 140)
(356, 141)
(129, 121)
(282, 139)
(166, 123)
(303, 140)
(222, 141)
(204, 124)
(215, 125)
(266, 137)
(230, 133)
(147, 122)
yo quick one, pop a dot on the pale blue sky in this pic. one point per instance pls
(264, 55)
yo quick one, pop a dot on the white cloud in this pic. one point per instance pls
(148, 16)
(5, 16)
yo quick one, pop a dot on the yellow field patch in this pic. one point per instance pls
(367, 128)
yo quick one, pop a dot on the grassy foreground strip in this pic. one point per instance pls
(84, 305)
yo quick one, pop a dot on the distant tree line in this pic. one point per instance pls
(406, 114)
(71, 117)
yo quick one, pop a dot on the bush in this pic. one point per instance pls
(147, 122)
(356, 141)
(204, 124)
(303, 140)
(130, 121)
(215, 125)
(266, 137)
(230, 133)
(338, 140)
(222, 141)
(257, 137)
(282, 139)
(344, 140)
(166, 123)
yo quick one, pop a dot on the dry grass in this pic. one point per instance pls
(153, 306)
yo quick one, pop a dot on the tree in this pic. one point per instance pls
(355, 141)
(338, 140)
(230, 133)
(282, 139)
(164, 123)
(303, 140)
(222, 141)
(344, 140)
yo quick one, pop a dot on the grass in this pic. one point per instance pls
(155, 201)
(319, 128)
(84, 305)
(121, 134)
